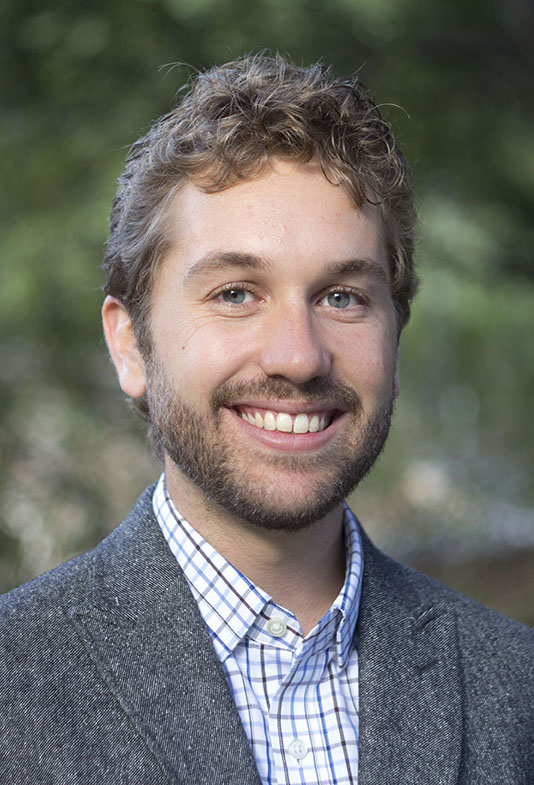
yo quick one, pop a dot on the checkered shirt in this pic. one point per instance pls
(297, 696)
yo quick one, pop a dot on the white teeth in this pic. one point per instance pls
(314, 424)
(301, 424)
(269, 422)
(284, 422)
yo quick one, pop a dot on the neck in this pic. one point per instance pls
(302, 571)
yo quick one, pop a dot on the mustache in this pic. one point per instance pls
(326, 393)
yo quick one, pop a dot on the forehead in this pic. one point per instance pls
(291, 215)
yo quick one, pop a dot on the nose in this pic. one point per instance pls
(292, 347)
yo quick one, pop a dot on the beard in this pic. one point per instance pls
(195, 442)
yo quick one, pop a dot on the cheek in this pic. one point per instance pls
(203, 354)
(370, 365)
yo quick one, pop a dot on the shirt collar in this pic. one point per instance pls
(234, 607)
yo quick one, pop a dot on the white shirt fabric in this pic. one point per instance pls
(297, 696)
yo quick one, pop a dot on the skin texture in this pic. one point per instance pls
(274, 296)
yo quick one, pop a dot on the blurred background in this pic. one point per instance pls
(453, 493)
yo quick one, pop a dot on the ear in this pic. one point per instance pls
(123, 348)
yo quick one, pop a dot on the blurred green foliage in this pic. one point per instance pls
(82, 80)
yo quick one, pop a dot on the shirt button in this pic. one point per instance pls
(297, 749)
(277, 627)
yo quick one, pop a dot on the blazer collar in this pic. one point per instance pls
(142, 629)
(410, 679)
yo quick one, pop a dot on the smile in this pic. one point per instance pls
(303, 422)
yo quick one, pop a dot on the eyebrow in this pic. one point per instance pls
(215, 261)
(361, 266)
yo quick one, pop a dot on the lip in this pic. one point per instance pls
(290, 407)
(290, 442)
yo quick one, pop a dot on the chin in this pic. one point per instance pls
(269, 508)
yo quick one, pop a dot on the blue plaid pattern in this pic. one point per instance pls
(297, 696)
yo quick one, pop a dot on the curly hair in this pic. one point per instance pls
(232, 121)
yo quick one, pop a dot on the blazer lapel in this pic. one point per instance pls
(410, 681)
(144, 633)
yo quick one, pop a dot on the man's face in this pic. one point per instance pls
(271, 375)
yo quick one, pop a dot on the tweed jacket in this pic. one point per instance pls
(108, 675)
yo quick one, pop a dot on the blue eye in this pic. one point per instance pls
(234, 296)
(338, 299)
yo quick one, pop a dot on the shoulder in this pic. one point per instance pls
(56, 696)
(484, 636)
(438, 667)
(69, 583)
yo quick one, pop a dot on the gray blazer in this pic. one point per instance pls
(108, 675)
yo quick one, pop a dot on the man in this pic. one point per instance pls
(239, 627)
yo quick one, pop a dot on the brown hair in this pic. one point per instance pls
(234, 118)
